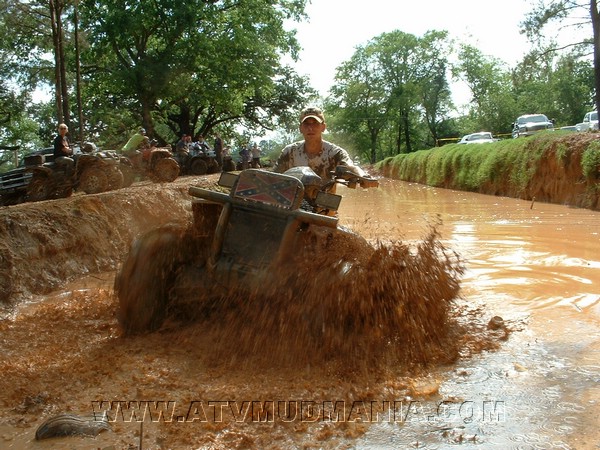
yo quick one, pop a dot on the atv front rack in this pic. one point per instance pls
(258, 222)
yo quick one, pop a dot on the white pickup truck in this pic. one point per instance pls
(590, 122)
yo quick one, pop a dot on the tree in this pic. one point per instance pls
(196, 64)
(165, 64)
(390, 85)
(566, 13)
(435, 93)
(573, 86)
(56, 8)
(361, 107)
(16, 126)
(492, 104)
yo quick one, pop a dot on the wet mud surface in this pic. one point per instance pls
(435, 376)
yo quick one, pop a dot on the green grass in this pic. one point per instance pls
(590, 160)
(510, 162)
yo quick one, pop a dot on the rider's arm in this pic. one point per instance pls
(283, 162)
(342, 158)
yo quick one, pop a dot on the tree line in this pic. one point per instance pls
(201, 66)
(393, 96)
(172, 67)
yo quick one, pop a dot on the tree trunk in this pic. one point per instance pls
(63, 64)
(57, 83)
(399, 138)
(406, 124)
(60, 70)
(596, 28)
(373, 156)
(78, 70)
(147, 122)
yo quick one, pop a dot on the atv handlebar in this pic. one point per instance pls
(298, 214)
(346, 176)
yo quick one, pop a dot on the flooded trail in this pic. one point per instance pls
(537, 266)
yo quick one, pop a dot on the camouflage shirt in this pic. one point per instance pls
(323, 163)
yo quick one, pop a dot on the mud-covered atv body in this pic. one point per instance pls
(236, 242)
(197, 161)
(98, 171)
(156, 164)
(39, 178)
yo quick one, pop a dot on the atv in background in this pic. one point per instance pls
(39, 178)
(197, 161)
(236, 243)
(155, 163)
(228, 164)
(97, 170)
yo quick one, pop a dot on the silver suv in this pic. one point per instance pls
(529, 124)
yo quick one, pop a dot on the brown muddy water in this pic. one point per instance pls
(535, 265)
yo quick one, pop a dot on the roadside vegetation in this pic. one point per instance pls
(558, 167)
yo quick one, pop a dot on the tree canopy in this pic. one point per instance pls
(173, 67)
(206, 66)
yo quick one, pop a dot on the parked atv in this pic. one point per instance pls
(197, 161)
(156, 164)
(38, 177)
(97, 170)
(237, 241)
(228, 164)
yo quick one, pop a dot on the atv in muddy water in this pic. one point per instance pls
(236, 243)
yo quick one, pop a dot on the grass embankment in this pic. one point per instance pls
(555, 167)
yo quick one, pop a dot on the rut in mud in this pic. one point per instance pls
(45, 245)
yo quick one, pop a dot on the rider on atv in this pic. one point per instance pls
(139, 141)
(63, 153)
(321, 156)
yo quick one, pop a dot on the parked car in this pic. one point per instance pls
(529, 124)
(569, 128)
(590, 122)
(482, 137)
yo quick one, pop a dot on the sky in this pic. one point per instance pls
(336, 27)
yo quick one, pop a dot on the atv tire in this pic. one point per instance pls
(93, 180)
(63, 189)
(129, 174)
(213, 166)
(142, 285)
(39, 188)
(228, 166)
(116, 179)
(165, 170)
(198, 167)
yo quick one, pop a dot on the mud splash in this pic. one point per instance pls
(390, 307)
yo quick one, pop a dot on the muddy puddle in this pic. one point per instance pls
(531, 384)
(536, 265)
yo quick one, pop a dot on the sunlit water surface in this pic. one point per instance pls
(536, 265)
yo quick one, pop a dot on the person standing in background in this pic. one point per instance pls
(62, 150)
(255, 156)
(218, 148)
